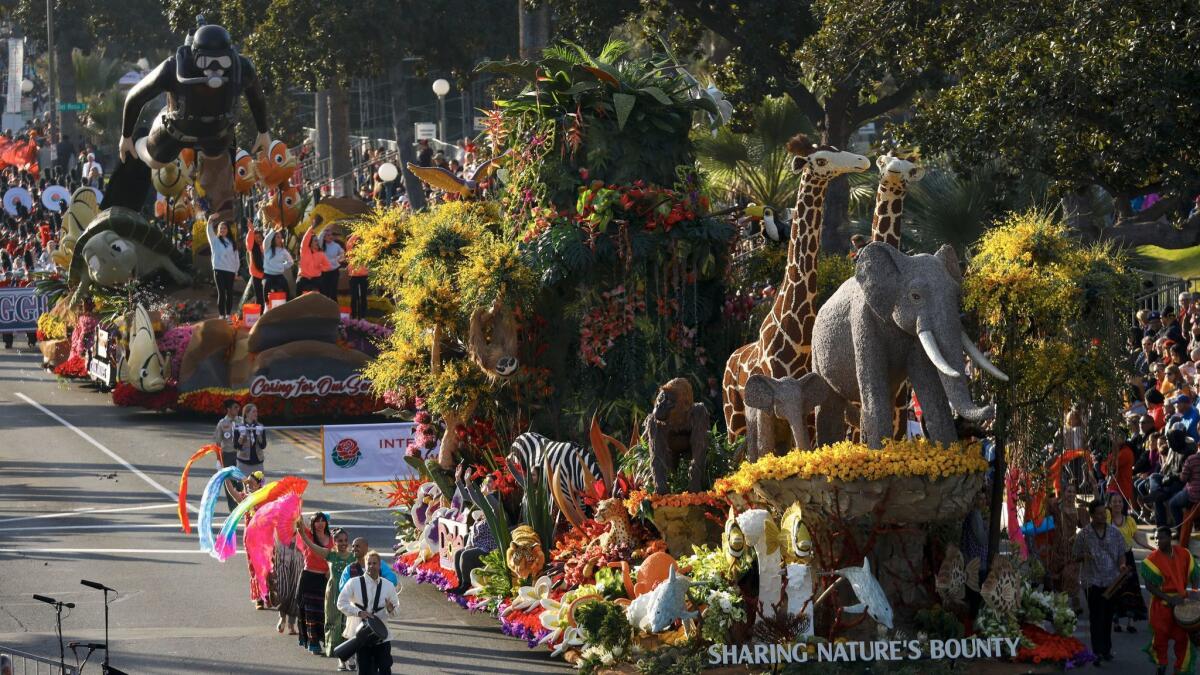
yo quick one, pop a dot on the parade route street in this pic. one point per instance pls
(87, 491)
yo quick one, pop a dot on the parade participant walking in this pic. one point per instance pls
(1100, 549)
(250, 439)
(1169, 571)
(254, 480)
(276, 262)
(225, 263)
(360, 548)
(285, 585)
(366, 596)
(336, 254)
(224, 437)
(359, 283)
(1128, 597)
(338, 558)
(312, 586)
(313, 263)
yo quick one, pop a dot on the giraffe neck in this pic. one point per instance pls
(786, 336)
(889, 207)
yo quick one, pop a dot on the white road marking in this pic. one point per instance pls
(130, 551)
(84, 435)
(88, 510)
(156, 526)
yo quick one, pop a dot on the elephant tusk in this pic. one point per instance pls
(929, 344)
(979, 358)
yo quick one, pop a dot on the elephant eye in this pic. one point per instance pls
(915, 296)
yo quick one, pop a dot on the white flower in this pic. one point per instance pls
(553, 618)
(530, 596)
(572, 637)
(476, 582)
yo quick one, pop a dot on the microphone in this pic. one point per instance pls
(52, 601)
(97, 585)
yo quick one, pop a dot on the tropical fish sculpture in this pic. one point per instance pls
(82, 210)
(275, 165)
(245, 172)
(1001, 590)
(955, 576)
(143, 368)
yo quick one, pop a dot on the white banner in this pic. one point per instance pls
(16, 74)
(366, 453)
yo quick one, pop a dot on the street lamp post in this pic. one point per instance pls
(55, 121)
(441, 87)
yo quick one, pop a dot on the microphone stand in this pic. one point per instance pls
(106, 590)
(58, 608)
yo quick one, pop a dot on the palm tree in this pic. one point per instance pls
(97, 80)
(756, 164)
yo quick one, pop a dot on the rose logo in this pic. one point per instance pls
(346, 453)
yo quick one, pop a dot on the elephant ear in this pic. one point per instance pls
(759, 392)
(878, 271)
(950, 259)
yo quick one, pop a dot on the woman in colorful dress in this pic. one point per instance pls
(338, 558)
(312, 585)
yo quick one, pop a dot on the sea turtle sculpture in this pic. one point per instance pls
(118, 246)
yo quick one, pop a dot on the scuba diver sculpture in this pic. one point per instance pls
(203, 82)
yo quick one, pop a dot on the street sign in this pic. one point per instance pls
(480, 123)
(425, 130)
(71, 106)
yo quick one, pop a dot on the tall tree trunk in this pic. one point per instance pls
(834, 238)
(66, 88)
(321, 100)
(402, 128)
(339, 140)
(1077, 211)
(534, 26)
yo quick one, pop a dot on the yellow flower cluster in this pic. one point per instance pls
(52, 327)
(846, 461)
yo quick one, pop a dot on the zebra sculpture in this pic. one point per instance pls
(568, 470)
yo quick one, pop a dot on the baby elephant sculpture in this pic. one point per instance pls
(676, 426)
(768, 398)
(896, 318)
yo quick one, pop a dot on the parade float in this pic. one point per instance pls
(132, 313)
(566, 293)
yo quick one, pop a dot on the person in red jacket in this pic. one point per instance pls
(313, 263)
(254, 262)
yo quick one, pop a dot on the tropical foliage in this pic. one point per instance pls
(755, 164)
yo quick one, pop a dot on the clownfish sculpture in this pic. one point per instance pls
(283, 208)
(143, 367)
(276, 165)
(245, 172)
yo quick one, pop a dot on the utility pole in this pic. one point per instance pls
(50, 54)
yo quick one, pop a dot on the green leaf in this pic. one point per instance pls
(658, 95)
(624, 104)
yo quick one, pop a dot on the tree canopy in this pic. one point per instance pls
(1087, 93)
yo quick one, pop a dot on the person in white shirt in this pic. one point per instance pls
(361, 597)
(92, 171)
(336, 254)
(277, 262)
(225, 263)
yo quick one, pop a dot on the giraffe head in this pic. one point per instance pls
(898, 171)
(823, 161)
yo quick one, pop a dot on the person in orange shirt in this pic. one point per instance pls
(1168, 572)
(313, 263)
(358, 283)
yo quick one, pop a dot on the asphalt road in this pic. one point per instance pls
(87, 491)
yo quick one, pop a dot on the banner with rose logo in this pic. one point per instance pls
(366, 453)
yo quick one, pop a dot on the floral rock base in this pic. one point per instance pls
(910, 500)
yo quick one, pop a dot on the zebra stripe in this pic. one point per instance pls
(574, 464)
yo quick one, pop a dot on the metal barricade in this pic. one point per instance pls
(24, 663)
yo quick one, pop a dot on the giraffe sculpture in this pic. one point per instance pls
(896, 174)
(784, 344)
